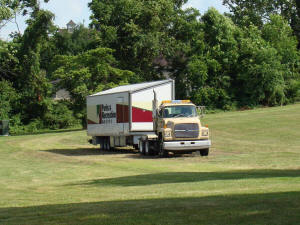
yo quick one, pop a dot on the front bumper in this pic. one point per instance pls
(187, 145)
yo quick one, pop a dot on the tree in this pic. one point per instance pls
(137, 31)
(223, 65)
(280, 36)
(258, 12)
(8, 60)
(211, 60)
(87, 73)
(32, 80)
(8, 99)
(79, 41)
(10, 8)
(260, 72)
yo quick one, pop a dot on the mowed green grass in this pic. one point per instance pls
(252, 176)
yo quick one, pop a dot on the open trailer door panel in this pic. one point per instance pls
(141, 105)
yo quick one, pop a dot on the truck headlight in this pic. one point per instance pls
(204, 133)
(167, 133)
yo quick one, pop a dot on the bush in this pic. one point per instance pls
(60, 116)
(8, 97)
(15, 125)
(212, 98)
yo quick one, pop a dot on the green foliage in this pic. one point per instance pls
(257, 12)
(137, 30)
(212, 98)
(9, 8)
(33, 82)
(59, 116)
(261, 73)
(229, 65)
(62, 42)
(5, 12)
(280, 36)
(8, 98)
(89, 72)
(8, 60)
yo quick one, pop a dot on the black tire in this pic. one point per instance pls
(106, 144)
(204, 152)
(162, 152)
(151, 148)
(147, 147)
(101, 143)
(142, 147)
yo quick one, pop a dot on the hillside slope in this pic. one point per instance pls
(252, 176)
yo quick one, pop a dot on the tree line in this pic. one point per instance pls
(245, 58)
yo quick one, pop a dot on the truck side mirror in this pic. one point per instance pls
(201, 111)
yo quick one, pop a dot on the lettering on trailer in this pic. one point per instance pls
(106, 115)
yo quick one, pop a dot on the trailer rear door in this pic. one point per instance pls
(141, 105)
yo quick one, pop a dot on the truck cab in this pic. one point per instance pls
(179, 129)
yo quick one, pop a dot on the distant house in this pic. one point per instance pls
(60, 94)
(70, 27)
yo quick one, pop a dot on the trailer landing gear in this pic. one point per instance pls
(105, 143)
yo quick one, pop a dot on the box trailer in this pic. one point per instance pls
(121, 116)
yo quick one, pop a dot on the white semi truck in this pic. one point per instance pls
(147, 117)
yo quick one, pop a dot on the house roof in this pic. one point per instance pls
(71, 23)
(132, 87)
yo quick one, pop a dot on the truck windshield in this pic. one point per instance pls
(179, 111)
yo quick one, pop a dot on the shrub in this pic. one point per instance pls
(60, 116)
(8, 97)
(212, 98)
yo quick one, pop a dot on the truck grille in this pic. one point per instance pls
(187, 130)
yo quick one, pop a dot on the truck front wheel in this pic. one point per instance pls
(162, 153)
(204, 152)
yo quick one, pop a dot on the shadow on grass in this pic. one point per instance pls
(184, 177)
(132, 153)
(49, 132)
(271, 208)
(90, 151)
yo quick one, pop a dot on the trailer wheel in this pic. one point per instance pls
(147, 149)
(151, 147)
(142, 147)
(106, 144)
(204, 152)
(101, 143)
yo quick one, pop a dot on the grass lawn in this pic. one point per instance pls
(252, 176)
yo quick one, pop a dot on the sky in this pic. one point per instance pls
(78, 11)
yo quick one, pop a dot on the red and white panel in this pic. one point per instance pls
(141, 112)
